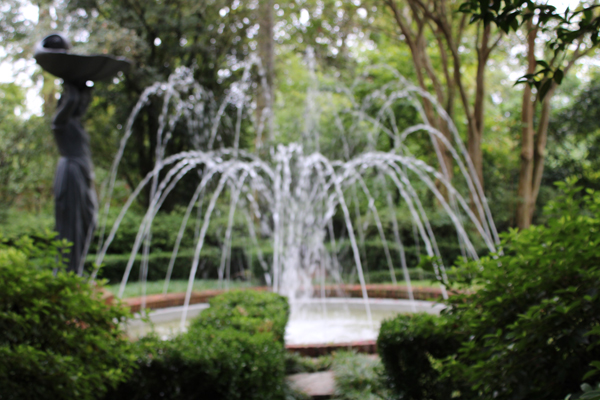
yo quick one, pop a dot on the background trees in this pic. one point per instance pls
(26, 152)
(569, 37)
(465, 54)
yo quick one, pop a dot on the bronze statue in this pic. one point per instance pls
(74, 194)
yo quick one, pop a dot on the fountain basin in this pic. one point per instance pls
(315, 327)
(374, 291)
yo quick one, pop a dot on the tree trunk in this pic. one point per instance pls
(417, 43)
(476, 133)
(266, 51)
(525, 191)
(540, 151)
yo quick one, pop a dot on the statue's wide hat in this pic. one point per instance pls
(53, 56)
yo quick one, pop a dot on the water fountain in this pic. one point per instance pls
(292, 193)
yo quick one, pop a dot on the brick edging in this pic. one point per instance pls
(157, 301)
(316, 350)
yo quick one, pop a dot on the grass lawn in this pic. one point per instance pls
(134, 289)
(429, 283)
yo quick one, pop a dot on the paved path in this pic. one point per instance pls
(318, 385)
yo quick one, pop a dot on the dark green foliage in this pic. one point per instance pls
(114, 265)
(528, 331)
(415, 274)
(358, 377)
(411, 347)
(375, 260)
(207, 364)
(165, 227)
(26, 150)
(295, 363)
(246, 310)
(564, 30)
(159, 38)
(537, 312)
(576, 127)
(233, 350)
(58, 339)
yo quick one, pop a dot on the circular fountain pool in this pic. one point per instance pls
(317, 321)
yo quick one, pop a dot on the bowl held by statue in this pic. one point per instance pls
(77, 68)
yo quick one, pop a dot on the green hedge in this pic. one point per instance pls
(415, 274)
(165, 227)
(377, 261)
(58, 339)
(411, 348)
(233, 350)
(207, 364)
(358, 377)
(114, 265)
(246, 310)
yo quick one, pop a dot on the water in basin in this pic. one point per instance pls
(311, 322)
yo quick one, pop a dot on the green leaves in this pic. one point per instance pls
(233, 350)
(26, 153)
(358, 377)
(565, 30)
(58, 339)
(543, 79)
(537, 316)
(544, 323)
(247, 310)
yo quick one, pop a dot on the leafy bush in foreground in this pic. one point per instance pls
(207, 363)
(531, 329)
(234, 350)
(58, 339)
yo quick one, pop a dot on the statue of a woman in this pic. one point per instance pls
(74, 194)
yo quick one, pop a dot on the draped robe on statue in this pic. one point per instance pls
(74, 194)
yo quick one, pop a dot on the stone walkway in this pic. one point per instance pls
(318, 385)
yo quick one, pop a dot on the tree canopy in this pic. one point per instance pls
(325, 67)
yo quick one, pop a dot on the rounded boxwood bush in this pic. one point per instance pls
(248, 310)
(58, 339)
(207, 363)
(233, 350)
(411, 348)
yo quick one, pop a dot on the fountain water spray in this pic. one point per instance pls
(291, 197)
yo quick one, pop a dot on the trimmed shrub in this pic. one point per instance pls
(233, 350)
(411, 348)
(246, 310)
(207, 364)
(58, 339)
